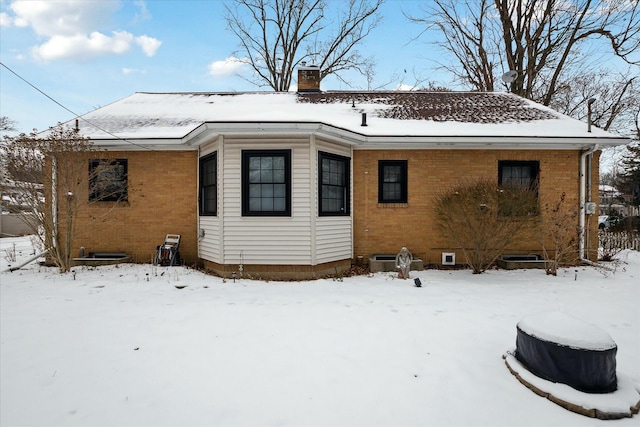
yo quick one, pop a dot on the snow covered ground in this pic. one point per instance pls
(123, 346)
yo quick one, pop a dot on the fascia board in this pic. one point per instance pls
(209, 131)
(488, 143)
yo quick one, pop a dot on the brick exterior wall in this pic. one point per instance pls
(163, 196)
(162, 199)
(385, 228)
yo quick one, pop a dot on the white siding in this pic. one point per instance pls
(334, 240)
(267, 240)
(304, 238)
(209, 245)
(334, 237)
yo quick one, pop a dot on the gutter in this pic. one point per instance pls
(583, 191)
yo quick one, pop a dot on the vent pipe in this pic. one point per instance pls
(364, 119)
(589, 102)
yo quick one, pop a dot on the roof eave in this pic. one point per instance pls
(209, 131)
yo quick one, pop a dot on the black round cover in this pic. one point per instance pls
(588, 370)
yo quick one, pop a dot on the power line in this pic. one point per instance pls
(67, 109)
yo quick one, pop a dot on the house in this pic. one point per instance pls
(305, 184)
(612, 200)
(609, 200)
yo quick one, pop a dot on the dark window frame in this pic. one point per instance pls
(247, 155)
(403, 196)
(534, 175)
(205, 186)
(345, 186)
(533, 185)
(97, 177)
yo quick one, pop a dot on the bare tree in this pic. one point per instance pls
(469, 36)
(7, 125)
(617, 96)
(539, 40)
(51, 178)
(276, 36)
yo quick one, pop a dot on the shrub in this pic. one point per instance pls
(482, 219)
(559, 234)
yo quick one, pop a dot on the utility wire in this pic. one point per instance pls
(78, 116)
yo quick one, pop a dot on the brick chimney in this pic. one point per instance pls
(308, 78)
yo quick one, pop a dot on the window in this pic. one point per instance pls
(518, 174)
(266, 183)
(108, 180)
(209, 185)
(392, 181)
(334, 184)
(514, 176)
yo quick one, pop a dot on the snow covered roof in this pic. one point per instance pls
(182, 118)
(609, 189)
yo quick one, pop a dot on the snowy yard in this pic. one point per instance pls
(123, 346)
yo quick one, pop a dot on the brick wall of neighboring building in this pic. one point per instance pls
(162, 199)
(385, 228)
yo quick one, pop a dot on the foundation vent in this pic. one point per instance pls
(448, 258)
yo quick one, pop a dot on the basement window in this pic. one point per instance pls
(108, 180)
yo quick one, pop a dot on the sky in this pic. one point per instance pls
(86, 54)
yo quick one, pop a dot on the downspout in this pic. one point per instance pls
(198, 232)
(54, 201)
(583, 191)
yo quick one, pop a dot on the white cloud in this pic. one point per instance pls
(75, 29)
(5, 20)
(63, 18)
(81, 46)
(148, 44)
(227, 66)
(143, 13)
(127, 71)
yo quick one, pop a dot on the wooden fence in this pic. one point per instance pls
(619, 240)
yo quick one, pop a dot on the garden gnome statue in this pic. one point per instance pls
(403, 262)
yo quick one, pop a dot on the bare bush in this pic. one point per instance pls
(558, 234)
(482, 219)
(51, 177)
(10, 254)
